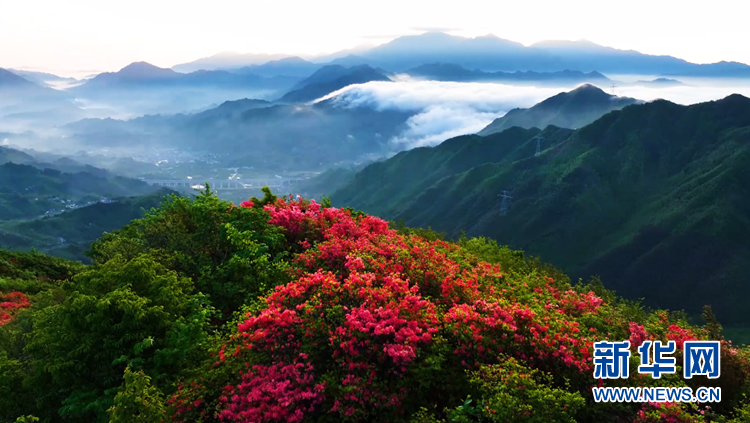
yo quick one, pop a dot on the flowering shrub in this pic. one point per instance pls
(372, 314)
(11, 304)
(276, 393)
(666, 412)
(377, 326)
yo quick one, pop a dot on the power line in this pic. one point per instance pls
(505, 204)
(613, 88)
(538, 145)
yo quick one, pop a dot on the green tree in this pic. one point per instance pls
(231, 254)
(133, 313)
(137, 401)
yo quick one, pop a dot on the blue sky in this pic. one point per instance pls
(96, 35)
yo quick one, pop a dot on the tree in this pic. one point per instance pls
(136, 314)
(137, 401)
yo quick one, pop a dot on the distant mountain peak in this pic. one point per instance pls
(8, 78)
(145, 69)
(572, 109)
(588, 88)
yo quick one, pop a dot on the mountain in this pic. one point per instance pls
(141, 88)
(289, 66)
(227, 60)
(15, 156)
(572, 109)
(231, 109)
(409, 174)
(490, 53)
(717, 70)
(660, 82)
(327, 182)
(29, 191)
(24, 104)
(329, 79)
(145, 75)
(70, 234)
(41, 78)
(454, 72)
(653, 198)
(255, 133)
(14, 85)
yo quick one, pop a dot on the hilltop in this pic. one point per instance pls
(573, 109)
(329, 79)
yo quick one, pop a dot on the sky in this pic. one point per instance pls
(104, 35)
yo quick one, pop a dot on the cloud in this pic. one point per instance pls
(442, 110)
(439, 123)
(686, 94)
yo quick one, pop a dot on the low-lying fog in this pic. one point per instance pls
(447, 109)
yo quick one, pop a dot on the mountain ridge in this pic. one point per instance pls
(572, 109)
(658, 189)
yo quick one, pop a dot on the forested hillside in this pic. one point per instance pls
(293, 311)
(653, 198)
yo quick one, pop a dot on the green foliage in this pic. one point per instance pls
(27, 419)
(133, 313)
(230, 253)
(268, 197)
(713, 327)
(70, 234)
(427, 234)
(35, 266)
(137, 401)
(512, 392)
(425, 416)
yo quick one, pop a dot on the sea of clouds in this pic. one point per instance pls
(447, 109)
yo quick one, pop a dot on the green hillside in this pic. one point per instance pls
(28, 191)
(654, 198)
(70, 233)
(573, 109)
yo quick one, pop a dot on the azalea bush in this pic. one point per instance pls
(10, 304)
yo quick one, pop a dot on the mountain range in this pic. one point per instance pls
(141, 88)
(490, 53)
(652, 197)
(256, 133)
(457, 73)
(572, 109)
(24, 103)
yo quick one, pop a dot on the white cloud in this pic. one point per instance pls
(442, 109)
(439, 123)
(447, 109)
(686, 94)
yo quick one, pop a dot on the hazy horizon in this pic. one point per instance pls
(168, 33)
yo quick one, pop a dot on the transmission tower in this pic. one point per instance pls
(538, 145)
(613, 88)
(505, 204)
